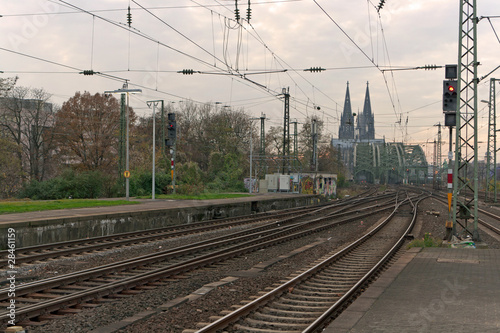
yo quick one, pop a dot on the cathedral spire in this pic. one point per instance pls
(369, 121)
(346, 128)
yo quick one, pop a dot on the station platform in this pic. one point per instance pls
(430, 290)
(143, 206)
(51, 226)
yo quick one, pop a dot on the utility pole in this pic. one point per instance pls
(437, 159)
(121, 148)
(295, 145)
(439, 163)
(314, 131)
(162, 148)
(153, 185)
(286, 131)
(466, 142)
(491, 152)
(263, 166)
(434, 167)
(171, 142)
(250, 187)
(450, 107)
(125, 90)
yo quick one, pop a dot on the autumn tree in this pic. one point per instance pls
(87, 130)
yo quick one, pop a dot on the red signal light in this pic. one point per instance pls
(451, 88)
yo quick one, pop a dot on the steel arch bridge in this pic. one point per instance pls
(391, 163)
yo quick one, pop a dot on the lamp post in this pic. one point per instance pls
(126, 90)
(155, 103)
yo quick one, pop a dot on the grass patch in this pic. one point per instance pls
(204, 196)
(427, 241)
(10, 207)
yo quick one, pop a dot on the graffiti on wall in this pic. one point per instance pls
(307, 185)
(326, 186)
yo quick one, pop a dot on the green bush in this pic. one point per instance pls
(88, 184)
(141, 183)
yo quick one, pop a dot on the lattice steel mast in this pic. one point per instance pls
(465, 182)
(491, 153)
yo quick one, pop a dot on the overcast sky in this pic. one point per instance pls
(47, 44)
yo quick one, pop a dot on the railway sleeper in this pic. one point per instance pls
(50, 316)
(282, 317)
(42, 295)
(68, 311)
(315, 293)
(313, 303)
(243, 328)
(63, 291)
(299, 306)
(272, 325)
(347, 275)
(304, 313)
(316, 287)
(337, 281)
(278, 305)
(349, 264)
(104, 300)
(28, 322)
(301, 297)
(73, 287)
(26, 300)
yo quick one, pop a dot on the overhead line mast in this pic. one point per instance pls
(466, 183)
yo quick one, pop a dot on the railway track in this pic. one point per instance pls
(308, 301)
(47, 299)
(46, 252)
(482, 222)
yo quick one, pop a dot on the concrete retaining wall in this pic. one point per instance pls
(77, 227)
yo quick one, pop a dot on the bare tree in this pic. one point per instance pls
(27, 118)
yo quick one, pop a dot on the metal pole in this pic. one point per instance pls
(286, 131)
(153, 186)
(126, 90)
(450, 189)
(466, 149)
(154, 157)
(251, 143)
(127, 180)
(251, 151)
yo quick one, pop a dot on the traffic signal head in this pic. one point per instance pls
(450, 96)
(172, 128)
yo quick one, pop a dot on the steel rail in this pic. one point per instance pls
(482, 211)
(257, 303)
(31, 311)
(326, 316)
(259, 232)
(52, 250)
(160, 273)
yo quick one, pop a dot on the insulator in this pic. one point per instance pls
(249, 12)
(187, 71)
(129, 17)
(88, 72)
(315, 69)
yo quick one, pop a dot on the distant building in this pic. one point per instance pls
(354, 129)
(366, 121)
